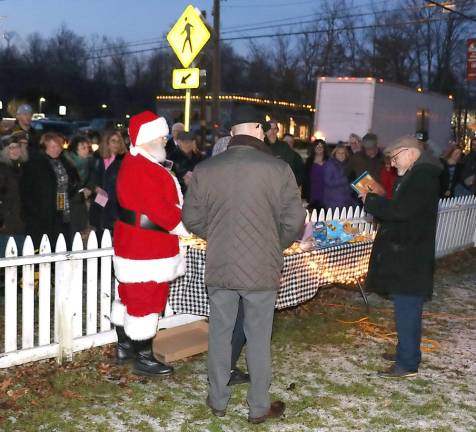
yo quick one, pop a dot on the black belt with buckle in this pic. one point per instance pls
(130, 217)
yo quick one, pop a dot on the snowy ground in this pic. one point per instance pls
(325, 366)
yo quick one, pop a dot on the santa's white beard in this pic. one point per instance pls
(157, 151)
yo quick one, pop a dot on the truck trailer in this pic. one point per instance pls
(346, 105)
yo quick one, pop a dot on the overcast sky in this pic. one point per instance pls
(146, 19)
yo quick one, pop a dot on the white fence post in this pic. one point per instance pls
(28, 298)
(92, 287)
(44, 303)
(76, 287)
(11, 291)
(63, 304)
(106, 283)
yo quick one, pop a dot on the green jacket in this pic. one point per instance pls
(281, 150)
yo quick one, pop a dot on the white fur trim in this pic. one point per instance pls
(118, 312)
(152, 130)
(134, 151)
(179, 191)
(154, 270)
(141, 328)
(180, 230)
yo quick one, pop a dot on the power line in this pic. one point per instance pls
(443, 6)
(362, 27)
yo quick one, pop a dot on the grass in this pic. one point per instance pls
(324, 365)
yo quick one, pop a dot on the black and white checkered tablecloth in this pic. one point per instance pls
(303, 274)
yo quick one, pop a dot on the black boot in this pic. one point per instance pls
(145, 362)
(124, 348)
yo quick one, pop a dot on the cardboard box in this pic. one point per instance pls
(183, 341)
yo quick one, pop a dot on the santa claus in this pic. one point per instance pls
(146, 245)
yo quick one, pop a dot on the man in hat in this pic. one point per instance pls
(146, 244)
(369, 159)
(403, 254)
(23, 118)
(246, 204)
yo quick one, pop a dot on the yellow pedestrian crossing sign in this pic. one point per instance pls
(188, 36)
(186, 78)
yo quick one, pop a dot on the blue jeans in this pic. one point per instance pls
(408, 320)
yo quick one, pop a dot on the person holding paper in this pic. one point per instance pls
(403, 255)
(107, 162)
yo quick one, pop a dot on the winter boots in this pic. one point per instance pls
(140, 352)
(124, 349)
(145, 362)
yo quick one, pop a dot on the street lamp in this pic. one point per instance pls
(40, 103)
(103, 106)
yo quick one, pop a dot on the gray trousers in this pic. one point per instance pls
(258, 309)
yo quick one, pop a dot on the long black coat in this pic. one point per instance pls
(403, 254)
(11, 215)
(38, 190)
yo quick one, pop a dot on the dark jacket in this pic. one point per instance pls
(282, 151)
(11, 214)
(337, 192)
(38, 191)
(104, 217)
(469, 169)
(360, 162)
(170, 147)
(448, 184)
(246, 204)
(183, 164)
(403, 253)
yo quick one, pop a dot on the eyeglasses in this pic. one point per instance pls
(394, 157)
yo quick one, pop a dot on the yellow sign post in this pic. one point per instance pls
(187, 38)
(186, 78)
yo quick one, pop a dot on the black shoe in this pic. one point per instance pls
(238, 377)
(145, 362)
(215, 412)
(124, 348)
(389, 357)
(397, 372)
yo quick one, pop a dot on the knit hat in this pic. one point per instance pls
(24, 109)
(145, 127)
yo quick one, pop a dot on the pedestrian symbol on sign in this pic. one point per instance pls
(188, 36)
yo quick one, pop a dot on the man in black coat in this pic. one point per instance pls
(403, 255)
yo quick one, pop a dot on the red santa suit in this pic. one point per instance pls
(146, 245)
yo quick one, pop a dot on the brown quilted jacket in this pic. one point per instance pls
(246, 204)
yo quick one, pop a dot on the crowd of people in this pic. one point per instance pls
(51, 186)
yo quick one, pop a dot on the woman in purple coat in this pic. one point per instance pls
(337, 191)
(313, 187)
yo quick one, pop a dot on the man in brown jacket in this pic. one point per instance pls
(246, 204)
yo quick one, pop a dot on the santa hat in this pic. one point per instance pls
(145, 127)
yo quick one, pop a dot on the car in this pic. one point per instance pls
(97, 126)
(59, 126)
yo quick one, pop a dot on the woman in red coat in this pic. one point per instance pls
(388, 175)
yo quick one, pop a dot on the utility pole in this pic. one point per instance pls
(216, 81)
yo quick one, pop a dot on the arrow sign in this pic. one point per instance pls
(186, 78)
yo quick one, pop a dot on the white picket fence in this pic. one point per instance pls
(72, 313)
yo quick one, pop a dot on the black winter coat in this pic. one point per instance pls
(104, 217)
(403, 254)
(447, 184)
(11, 215)
(183, 164)
(38, 191)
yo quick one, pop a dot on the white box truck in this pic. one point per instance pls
(346, 105)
